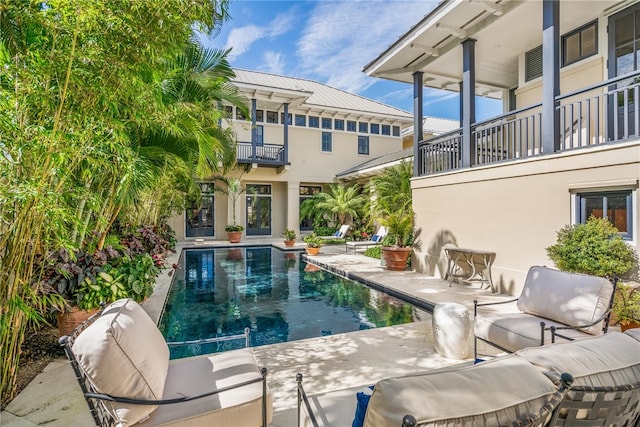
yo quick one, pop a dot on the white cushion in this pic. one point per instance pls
(124, 355)
(569, 298)
(241, 407)
(491, 393)
(607, 360)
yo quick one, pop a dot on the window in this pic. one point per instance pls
(351, 126)
(396, 131)
(386, 129)
(259, 135)
(259, 116)
(375, 128)
(229, 110)
(301, 120)
(533, 64)
(363, 144)
(580, 44)
(338, 124)
(272, 117)
(363, 127)
(615, 205)
(326, 123)
(240, 115)
(326, 142)
(288, 118)
(314, 122)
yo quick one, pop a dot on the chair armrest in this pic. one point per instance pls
(476, 304)
(244, 336)
(302, 399)
(134, 401)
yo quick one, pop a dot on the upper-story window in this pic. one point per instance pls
(314, 121)
(396, 131)
(326, 123)
(272, 117)
(326, 142)
(375, 128)
(259, 135)
(229, 110)
(580, 43)
(363, 144)
(240, 115)
(301, 120)
(351, 126)
(338, 124)
(259, 116)
(386, 129)
(363, 127)
(289, 118)
(616, 206)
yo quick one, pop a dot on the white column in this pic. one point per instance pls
(293, 206)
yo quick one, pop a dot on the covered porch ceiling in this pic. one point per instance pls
(503, 30)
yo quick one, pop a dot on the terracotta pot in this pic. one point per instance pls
(69, 320)
(310, 268)
(234, 236)
(289, 243)
(396, 258)
(630, 325)
(312, 251)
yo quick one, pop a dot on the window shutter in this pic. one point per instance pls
(533, 64)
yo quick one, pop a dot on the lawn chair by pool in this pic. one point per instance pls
(340, 234)
(121, 362)
(376, 239)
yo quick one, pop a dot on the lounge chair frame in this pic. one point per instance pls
(95, 400)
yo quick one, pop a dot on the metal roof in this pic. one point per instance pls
(373, 166)
(311, 95)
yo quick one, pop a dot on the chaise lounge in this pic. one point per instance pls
(122, 364)
(375, 240)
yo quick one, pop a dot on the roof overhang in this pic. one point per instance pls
(503, 29)
(270, 96)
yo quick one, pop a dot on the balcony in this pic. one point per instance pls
(605, 113)
(266, 155)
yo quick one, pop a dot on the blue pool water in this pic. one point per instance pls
(218, 292)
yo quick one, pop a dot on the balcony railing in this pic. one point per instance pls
(595, 115)
(267, 154)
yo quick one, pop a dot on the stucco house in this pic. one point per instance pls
(566, 147)
(300, 135)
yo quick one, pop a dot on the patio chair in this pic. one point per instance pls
(121, 362)
(376, 239)
(340, 234)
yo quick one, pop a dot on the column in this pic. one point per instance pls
(468, 100)
(253, 130)
(293, 206)
(286, 136)
(550, 76)
(417, 120)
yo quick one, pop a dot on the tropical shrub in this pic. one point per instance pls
(594, 247)
(373, 252)
(324, 230)
(289, 234)
(626, 304)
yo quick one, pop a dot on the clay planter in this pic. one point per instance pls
(311, 268)
(312, 251)
(630, 325)
(289, 243)
(69, 320)
(396, 258)
(234, 236)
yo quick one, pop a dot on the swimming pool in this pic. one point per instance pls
(220, 292)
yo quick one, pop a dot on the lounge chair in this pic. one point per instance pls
(376, 239)
(340, 234)
(121, 362)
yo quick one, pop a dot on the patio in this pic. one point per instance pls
(334, 367)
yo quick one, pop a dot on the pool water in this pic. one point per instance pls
(220, 292)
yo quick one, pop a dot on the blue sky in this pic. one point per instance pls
(330, 42)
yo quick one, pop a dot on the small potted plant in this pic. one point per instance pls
(626, 306)
(234, 232)
(397, 244)
(289, 237)
(313, 244)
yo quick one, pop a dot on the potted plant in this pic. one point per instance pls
(397, 244)
(234, 232)
(289, 237)
(626, 306)
(313, 244)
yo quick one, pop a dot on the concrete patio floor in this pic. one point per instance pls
(333, 367)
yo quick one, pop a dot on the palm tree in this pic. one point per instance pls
(341, 204)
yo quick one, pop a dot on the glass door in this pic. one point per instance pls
(199, 216)
(258, 210)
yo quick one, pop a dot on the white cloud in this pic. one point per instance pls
(241, 38)
(340, 38)
(273, 62)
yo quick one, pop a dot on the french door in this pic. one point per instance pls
(200, 215)
(258, 210)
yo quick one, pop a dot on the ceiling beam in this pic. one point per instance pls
(489, 6)
(454, 31)
(426, 49)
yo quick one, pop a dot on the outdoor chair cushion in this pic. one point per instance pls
(570, 298)
(606, 361)
(124, 354)
(459, 395)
